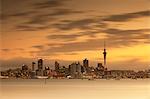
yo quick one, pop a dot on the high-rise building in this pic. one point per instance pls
(56, 66)
(75, 70)
(86, 63)
(86, 66)
(78, 68)
(33, 66)
(72, 68)
(40, 64)
(39, 71)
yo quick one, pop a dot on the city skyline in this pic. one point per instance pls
(75, 70)
(72, 30)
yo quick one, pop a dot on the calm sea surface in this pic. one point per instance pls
(74, 89)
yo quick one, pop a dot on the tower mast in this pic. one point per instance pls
(104, 53)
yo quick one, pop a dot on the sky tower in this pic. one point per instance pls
(104, 53)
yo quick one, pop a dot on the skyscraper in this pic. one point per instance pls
(39, 71)
(40, 64)
(104, 53)
(33, 66)
(86, 63)
(56, 66)
(78, 68)
(75, 70)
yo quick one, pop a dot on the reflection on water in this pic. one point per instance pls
(74, 89)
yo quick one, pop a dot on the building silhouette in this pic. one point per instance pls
(104, 53)
(75, 70)
(24, 67)
(39, 71)
(86, 63)
(56, 66)
(40, 64)
(33, 66)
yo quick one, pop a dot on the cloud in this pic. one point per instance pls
(28, 18)
(62, 12)
(73, 36)
(23, 14)
(11, 50)
(84, 24)
(128, 34)
(98, 22)
(118, 36)
(49, 4)
(38, 46)
(77, 46)
(57, 16)
(64, 37)
(127, 37)
(114, 37)
(127, 16)
(5, 49)
(30, 28)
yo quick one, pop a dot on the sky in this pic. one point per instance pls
(72, 30)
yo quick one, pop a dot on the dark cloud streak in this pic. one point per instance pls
(127, 16)
(49, 4)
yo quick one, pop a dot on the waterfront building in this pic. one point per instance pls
(56, 66)
(39, 71)
(33, 66)
(33, 74)
(46, 71)
(40, 64)
(100, 70)
(24, 67)
(75, 70)
(100, 67)
(86, 63)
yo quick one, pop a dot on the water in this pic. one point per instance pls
(74, 89)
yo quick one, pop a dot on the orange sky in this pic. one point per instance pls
(73, 30)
